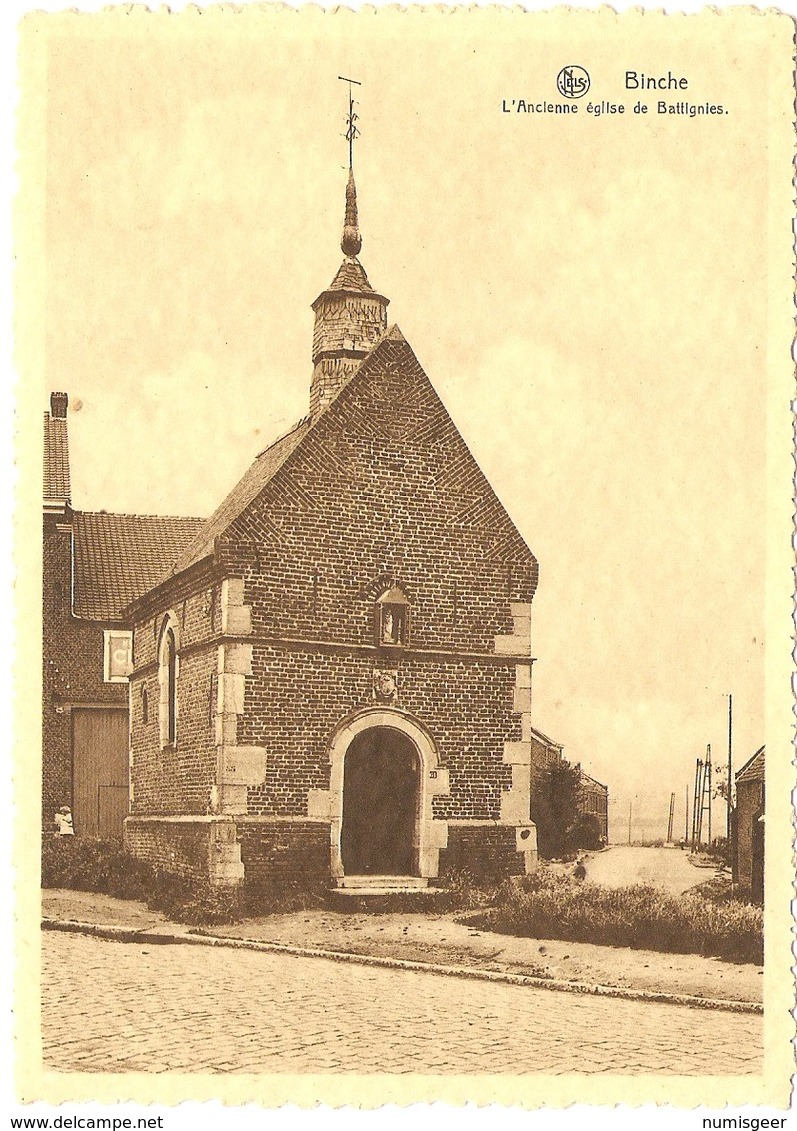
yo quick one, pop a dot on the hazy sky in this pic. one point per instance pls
(585, 293)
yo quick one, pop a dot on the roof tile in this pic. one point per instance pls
(243, 493)
(118, 557)
(753, 770)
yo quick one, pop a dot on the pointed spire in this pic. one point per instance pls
(352, 240)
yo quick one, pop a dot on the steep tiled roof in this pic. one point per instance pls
(118, 557)
(752, 770)
(56, 458)
(351, 276)
(243, 493)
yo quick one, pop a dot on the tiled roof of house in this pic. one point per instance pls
(753, 769)
(56, 458)
(588, 780)
(545, 740)
(243, 493)
(118, 557)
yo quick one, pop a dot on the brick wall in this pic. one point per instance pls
(749, 799)
(284, 852)
(382, 488)
(72, 654)
(296, 699)
(176, 778)
(382, 491)
(487, 852)
(181, 847)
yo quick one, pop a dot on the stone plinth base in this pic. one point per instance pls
(201, 848)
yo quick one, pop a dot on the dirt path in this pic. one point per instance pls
(621, 865)
(437, 938)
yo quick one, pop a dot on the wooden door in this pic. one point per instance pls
(99, 772)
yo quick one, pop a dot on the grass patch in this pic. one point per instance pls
(644, 917)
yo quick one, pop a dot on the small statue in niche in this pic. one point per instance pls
(388, 628)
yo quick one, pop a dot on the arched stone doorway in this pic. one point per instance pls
(380, 804)
(430, 833)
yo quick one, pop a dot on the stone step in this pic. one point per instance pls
(353, 894)
(366, 885)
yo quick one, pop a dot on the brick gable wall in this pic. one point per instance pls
(384, 487)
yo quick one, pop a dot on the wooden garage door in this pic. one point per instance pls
(99, 772)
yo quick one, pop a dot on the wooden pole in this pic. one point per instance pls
(696, 802)
(686, 817)
(670, 819)
(729, 789)
(708, 792)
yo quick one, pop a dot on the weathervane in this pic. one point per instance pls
(351, 129)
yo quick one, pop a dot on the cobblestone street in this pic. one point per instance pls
(198, 1009)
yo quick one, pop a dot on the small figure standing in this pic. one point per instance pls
(580, 872)
(63, 822)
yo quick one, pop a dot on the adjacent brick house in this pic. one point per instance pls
(595, 801)
(335, 678)
(748, 817)
(93, 565)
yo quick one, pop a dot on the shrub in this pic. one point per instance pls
(555, 806)
(643, 916)
(585, 832)
(89, 864)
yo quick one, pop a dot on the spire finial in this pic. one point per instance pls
(351, 243)
(351, 129)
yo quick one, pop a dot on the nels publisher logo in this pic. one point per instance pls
(572, 82)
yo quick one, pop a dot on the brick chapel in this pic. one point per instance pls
(330, 677)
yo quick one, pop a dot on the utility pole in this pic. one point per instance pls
(669, 822)
(729, 787)
(696, 796)
(686, 817)
(630, 803)
(708, 793)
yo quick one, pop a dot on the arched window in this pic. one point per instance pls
(392, 619)
(170, 666)
(168, 670)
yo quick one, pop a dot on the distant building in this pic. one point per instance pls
(595, 801)
(748, 856)
(545, 753)
(594, 796)
(94, 563)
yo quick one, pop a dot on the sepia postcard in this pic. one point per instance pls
(412, 602)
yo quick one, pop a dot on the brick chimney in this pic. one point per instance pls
(57, 486)
(58, 405)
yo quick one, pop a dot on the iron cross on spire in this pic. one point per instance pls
(351, 129)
